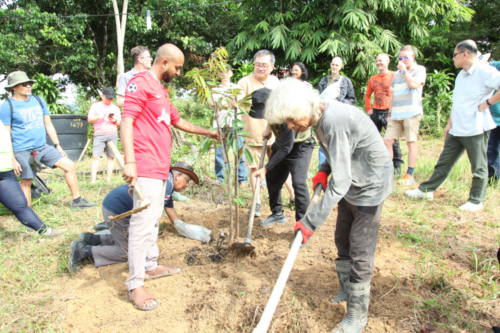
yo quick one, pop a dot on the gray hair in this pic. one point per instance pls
(182, 173)
(292, 99)
(136, 52)
(263, 53)
(407, 48)
(467, 46)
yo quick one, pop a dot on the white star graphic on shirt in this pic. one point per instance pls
(164, 117)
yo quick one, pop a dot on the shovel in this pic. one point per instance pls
(247, 244)
(143, 202)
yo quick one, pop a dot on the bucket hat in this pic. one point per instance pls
(186, 169)
(15, 78)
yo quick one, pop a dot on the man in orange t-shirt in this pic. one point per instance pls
(380, 85)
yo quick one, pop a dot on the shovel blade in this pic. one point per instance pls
(244, 246)
(130, 212)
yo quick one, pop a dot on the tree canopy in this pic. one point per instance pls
(356, 30)
(85, 48)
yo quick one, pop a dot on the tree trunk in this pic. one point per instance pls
(178, 139)
(120, 36)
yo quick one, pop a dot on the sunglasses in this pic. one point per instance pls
(403, 58)
(25, 84)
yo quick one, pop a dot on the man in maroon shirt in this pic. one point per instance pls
(146, 136)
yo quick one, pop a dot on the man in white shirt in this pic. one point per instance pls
(469, 125)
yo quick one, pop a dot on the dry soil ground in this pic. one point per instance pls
(434, 266)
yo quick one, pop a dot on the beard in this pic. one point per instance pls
(166, 77)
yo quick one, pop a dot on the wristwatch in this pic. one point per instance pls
(403, 72)
(56, 145)
(488, 102)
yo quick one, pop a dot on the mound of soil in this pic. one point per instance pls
(226, 290)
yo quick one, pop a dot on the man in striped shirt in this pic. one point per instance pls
(405, 107)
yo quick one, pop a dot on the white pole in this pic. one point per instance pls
(268, 313)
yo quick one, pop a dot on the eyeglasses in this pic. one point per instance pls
(295, 71)
(455, 54)
(403, 58)
(263, 66)
(25, 84)
(147, 57)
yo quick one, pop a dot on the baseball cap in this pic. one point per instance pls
(109, 92)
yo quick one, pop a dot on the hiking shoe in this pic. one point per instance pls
(471, 207)
(101, 226)
(83, 204)
(86, 238)
(179, 197)
(75, 258)
(273, 219)
(258, 210)
(407, 179)
(49, 232)
(416, 193)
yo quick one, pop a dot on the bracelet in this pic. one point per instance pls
(130, 162)
(488, 102)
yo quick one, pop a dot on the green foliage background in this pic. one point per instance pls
(37, 38)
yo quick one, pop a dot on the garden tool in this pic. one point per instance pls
(247, 244)
(143, 202)
(268, 313)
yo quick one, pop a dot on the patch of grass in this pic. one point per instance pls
(451, 254)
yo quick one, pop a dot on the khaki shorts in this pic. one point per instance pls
(256, 152)
(409, 126)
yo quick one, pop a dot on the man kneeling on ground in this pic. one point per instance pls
(114, 246)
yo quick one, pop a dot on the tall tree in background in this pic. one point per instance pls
(85, 48)
(356, 30)
(121, 24)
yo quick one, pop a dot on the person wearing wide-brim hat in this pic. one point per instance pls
(108, 249)
(27, 117)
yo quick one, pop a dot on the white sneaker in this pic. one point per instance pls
(416, 193)
(472, 207)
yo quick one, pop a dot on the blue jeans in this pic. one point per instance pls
(321, 157)
(12, 197)
(219, 159)
(493, 154)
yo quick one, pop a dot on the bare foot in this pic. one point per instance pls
(162, 270)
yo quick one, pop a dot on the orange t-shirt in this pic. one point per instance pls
(381, 86)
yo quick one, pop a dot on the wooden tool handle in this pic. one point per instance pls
(255, 195)
(121, 163)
